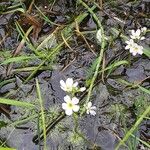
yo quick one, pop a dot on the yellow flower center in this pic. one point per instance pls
(69, 88)
(136, 49)
(70, 105)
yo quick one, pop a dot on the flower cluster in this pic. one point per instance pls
(136, 36)
(71, 102)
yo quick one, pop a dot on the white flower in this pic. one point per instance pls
(68, 86)
(143, 29)
(130, 44)
(136, 35)
(90, 109)
(71, 105)
(142, 38)
(82, 89)
(136, 49)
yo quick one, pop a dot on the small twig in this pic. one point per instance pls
(68, 65)
(3, 39)
(66, 43)
(78, 31)
(101, 4)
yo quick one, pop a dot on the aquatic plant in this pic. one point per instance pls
(71, 101)
(35, 54)
(71, 107)
(136, 36)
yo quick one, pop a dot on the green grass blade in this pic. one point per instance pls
(144, 89)
(5, 148)
(45, 17)
(42, 112)
(23, 121)
(147, 52)
(129, 133)
(115, 64)
(143, 142)
(4, 82)
(17, 59)
(15, 10)
(15, 103)
(26, 69)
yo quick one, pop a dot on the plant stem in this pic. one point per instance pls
(75, 117)
(101, 50)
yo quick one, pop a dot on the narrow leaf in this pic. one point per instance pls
(15, 103)
(17, 59)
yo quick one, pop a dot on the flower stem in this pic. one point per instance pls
(75, 117)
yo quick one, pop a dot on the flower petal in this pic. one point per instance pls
(89, 104)
(127, 47)
(138, 32)
(75, 84)
(92, 112)
(64, 106)
(76, 108)
(131, 50)
(93, 108)
(69, 82)
(63, 88)
(140, 52)
(62, 83)
(82, 89)
(67, 99)
(134, 53)
(131, 41)
(75, 100)
(127, 42)
(132, 37)
(132, 32)
(68, 112)
(87, 111)
(143, 29)
(142, 38)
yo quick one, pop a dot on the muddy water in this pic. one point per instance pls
(106, 126)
